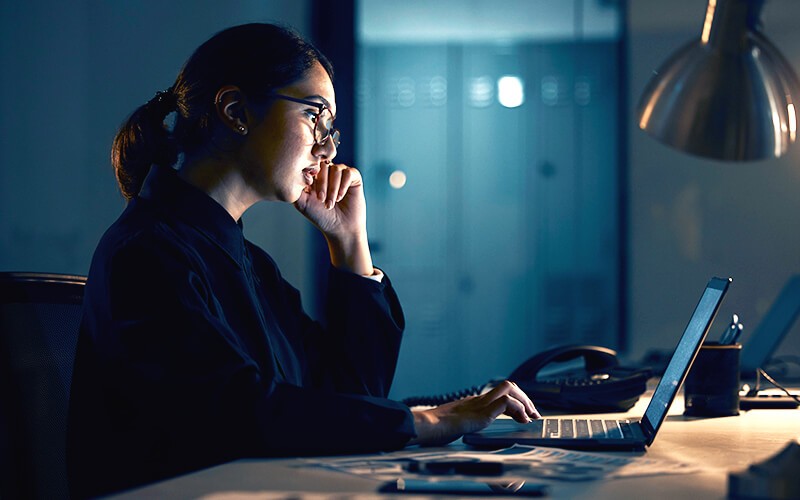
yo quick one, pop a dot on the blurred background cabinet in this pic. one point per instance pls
(493, 183)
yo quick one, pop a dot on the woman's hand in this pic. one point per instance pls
(448, 422)
(335, 201)
(335, 204)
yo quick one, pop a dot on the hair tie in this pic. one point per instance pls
(164, 100)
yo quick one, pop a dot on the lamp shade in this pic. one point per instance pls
(730, 95)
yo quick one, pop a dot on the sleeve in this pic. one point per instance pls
(366, 319)
(183, 385)
(377, 275)
(356, 353)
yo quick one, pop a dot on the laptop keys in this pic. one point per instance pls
(612, 429)
(567, 428)
(582, 428)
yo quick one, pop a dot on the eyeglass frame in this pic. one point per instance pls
(331, 133)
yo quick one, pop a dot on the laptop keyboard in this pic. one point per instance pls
(569, 428)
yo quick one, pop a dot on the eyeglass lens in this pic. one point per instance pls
(324, 128)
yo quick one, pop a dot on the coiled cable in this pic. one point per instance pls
(448, 397)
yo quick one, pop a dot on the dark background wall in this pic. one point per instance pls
(72, 72)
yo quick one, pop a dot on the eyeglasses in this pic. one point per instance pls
(323, 122)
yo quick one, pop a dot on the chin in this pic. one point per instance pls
(295, 194)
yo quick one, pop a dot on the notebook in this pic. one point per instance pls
(604, 434)
(775, 324)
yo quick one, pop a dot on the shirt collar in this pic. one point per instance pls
(164, 189)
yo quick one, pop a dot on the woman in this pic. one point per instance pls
(193, 349)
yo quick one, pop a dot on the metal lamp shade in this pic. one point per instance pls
(728, 96)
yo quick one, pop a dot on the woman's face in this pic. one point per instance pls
(280, 157)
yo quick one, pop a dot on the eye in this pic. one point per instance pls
(312, 115)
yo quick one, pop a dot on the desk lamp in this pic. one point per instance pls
(730, 95)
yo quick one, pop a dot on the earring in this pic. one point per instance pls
(242, 129)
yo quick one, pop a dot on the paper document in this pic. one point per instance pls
(518, 462)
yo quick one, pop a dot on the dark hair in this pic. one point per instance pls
(257, 58)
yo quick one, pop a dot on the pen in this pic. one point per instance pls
(730, 331)
(737, 333)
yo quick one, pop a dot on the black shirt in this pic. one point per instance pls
(195, 351)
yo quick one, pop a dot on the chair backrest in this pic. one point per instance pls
(39, 322)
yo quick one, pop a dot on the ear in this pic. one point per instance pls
(230, 106)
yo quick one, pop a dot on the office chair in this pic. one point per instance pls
(39, 321)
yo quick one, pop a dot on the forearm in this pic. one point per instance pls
(425, 427)
(362, 424)
(351, 253)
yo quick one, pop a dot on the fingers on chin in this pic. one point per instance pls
(344, 184)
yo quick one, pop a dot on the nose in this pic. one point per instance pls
(326, 150)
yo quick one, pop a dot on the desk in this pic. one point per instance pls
(722, 444)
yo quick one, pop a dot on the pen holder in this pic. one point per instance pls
(711, 388)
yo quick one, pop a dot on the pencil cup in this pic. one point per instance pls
(711, 388)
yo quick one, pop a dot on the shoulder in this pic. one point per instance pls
(139, 235)
(141, 250)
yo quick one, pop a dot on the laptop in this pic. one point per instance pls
(773, 327)
(758, 350)
(604, 434)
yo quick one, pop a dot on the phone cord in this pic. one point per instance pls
(446, 398)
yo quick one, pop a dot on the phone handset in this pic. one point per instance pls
(600, 384)
(596, 359)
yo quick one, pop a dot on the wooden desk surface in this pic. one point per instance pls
(721, 445)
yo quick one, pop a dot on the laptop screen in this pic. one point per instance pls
(772, 328)
(684, 354)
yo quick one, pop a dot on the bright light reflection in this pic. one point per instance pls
(792, 122)
(644, 121)
(397, 179)
(776, 126)
(712, 6)
(510, 92)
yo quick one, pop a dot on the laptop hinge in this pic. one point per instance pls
(648, 431)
